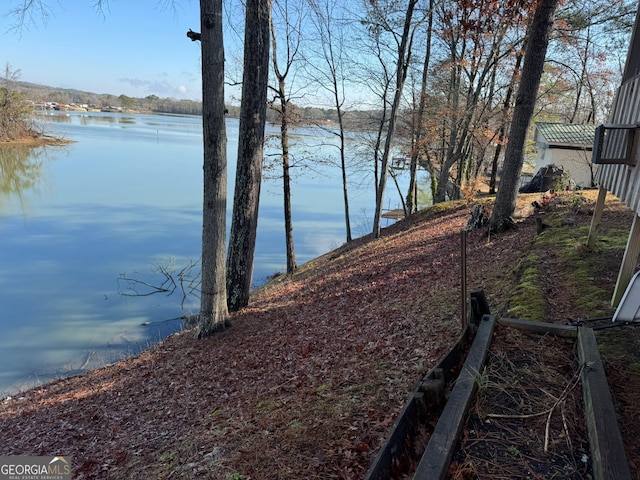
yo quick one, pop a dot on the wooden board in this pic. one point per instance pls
(567, 331)
(395, 445)
(597, 217)
(437, 456)
(607, 449)
(629, 261)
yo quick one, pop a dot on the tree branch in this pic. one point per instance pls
(193, 35)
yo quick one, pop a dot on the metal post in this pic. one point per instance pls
(463, 275)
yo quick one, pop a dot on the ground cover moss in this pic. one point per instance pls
(528, 300)
(564, 237)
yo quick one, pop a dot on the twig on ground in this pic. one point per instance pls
(570, 386)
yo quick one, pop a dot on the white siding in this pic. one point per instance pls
(624, 180)
(574, 162)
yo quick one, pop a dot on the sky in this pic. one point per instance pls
(135, 47)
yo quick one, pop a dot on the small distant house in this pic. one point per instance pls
(568, 146)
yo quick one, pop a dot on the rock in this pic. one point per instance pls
(478, 218)
(214, 454)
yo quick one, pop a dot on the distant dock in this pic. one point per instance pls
(396, 214)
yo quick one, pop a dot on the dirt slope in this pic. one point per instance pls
(309, 379)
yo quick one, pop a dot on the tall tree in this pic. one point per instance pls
(476, 37)
(213, 298)
(418, 120)
(502, 129)
(404, 45)
(380, 83)
(253, 114)
(282, 68)
(331, 76)
(534, 57)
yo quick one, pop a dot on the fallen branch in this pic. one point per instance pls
(88, 359)
(570, 386)
(194, 35)
(186, 281)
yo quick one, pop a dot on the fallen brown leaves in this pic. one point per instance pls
(305, 384)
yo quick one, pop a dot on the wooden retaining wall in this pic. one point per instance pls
(428, 396)
(607, 448)
(444, 439)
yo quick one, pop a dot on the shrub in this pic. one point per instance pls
(15, 113)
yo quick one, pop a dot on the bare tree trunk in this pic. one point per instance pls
(286, 182)
(292, 44)
(343, 167)
(534, 58)
(412, 200)
(448, 146)
(342, 147)
(506, 106)
(332, 45)
(581, 80)
(378, 140)
(253, 114)
(496, 158)
(404, 54)
(213, 299)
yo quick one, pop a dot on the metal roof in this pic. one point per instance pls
(565, 134)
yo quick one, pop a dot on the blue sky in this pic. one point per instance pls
(136, 48)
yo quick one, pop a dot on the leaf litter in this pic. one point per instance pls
(310, 377)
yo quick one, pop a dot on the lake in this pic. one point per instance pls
(125, 200)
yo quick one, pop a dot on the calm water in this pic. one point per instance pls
(124, 200)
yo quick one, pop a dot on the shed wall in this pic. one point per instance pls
(575, 163)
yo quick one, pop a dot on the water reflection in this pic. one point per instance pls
(97, 118)
(89, 118)
(21, 170)
(58, 117)
(123, 205)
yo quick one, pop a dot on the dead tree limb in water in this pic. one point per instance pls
(186, 281)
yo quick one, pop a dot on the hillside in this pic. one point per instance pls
(355, 120)
(311, 376)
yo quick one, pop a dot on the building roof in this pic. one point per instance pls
(565, 135)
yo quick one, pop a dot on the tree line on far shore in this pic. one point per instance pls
(40, 94)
